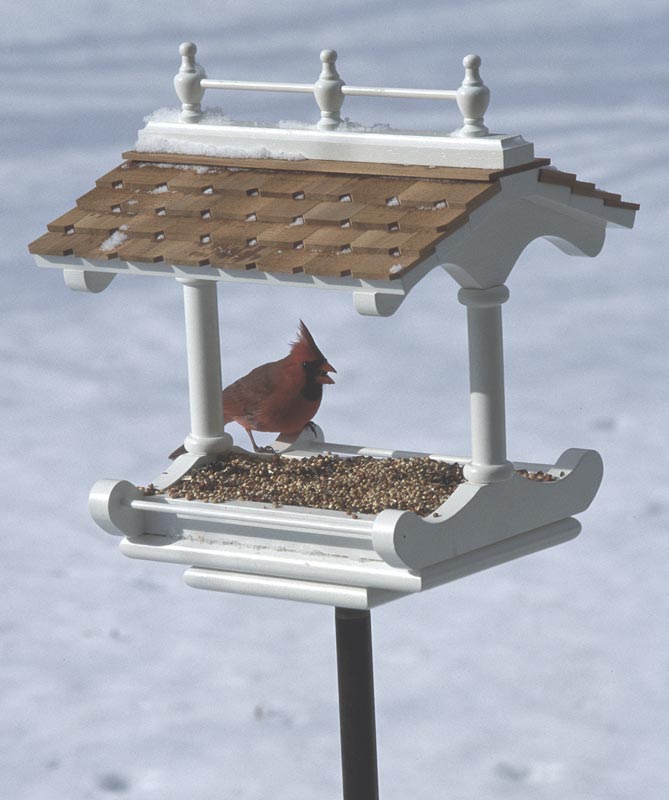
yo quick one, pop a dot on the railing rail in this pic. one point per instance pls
(257, 86)
(472, 97)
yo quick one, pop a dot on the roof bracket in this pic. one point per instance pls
(87, 281)
(375, 303)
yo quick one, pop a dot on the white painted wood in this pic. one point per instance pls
(493, 555)
(357, 597)
(353, 597)
(483, 252)
(481, 256)
(496, 151)
(87, 280)
(254, 515)
(387, 296)
(311, 436)
(308, 444)
(257, 86)
(486, 381)
(413, 94)
(330, 90)
(376, 303)
(204, 369)
(473, 98)
(366, 590)
(285, 559)
(178, 468)
(188, 83)
(284, 589)
(109, 503)
(476, 516)
(563, 201)
(308, 88)
(390, 551)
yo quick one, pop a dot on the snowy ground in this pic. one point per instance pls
(545, 678)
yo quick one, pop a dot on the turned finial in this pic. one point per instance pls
(187, 83)
(472, 97)
(328, 93)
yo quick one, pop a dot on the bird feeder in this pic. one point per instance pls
(203, 199)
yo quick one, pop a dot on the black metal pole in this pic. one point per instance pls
(356, 704)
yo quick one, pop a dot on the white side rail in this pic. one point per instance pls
(330, 90)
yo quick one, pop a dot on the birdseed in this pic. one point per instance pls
(356, 485)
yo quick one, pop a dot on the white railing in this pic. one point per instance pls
(330, 91)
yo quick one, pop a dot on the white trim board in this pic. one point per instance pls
(496, 151)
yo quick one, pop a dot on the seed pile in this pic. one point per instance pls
(542, 477)
(358, 485)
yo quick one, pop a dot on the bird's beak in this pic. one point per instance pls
(324, 377)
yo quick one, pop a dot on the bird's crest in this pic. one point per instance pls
(305, 348)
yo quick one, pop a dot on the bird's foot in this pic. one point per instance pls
(265, 449)
(312, 427)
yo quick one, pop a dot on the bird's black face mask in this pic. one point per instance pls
(317, 374)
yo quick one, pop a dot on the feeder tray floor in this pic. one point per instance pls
(344, 559)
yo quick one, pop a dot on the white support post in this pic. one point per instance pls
(207, 436)
(486, 376)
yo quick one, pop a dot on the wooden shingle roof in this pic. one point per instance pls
(584, 188)
(324, 218)
(329, 219)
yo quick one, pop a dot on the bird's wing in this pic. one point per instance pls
(244, 398)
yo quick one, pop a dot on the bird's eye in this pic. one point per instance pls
(305, 364)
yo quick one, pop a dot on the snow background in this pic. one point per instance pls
(545, 678)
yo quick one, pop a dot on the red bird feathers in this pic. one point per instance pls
(282, 396)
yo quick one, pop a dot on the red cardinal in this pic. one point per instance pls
(282, 396)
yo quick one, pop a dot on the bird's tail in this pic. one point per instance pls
(178, 452)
